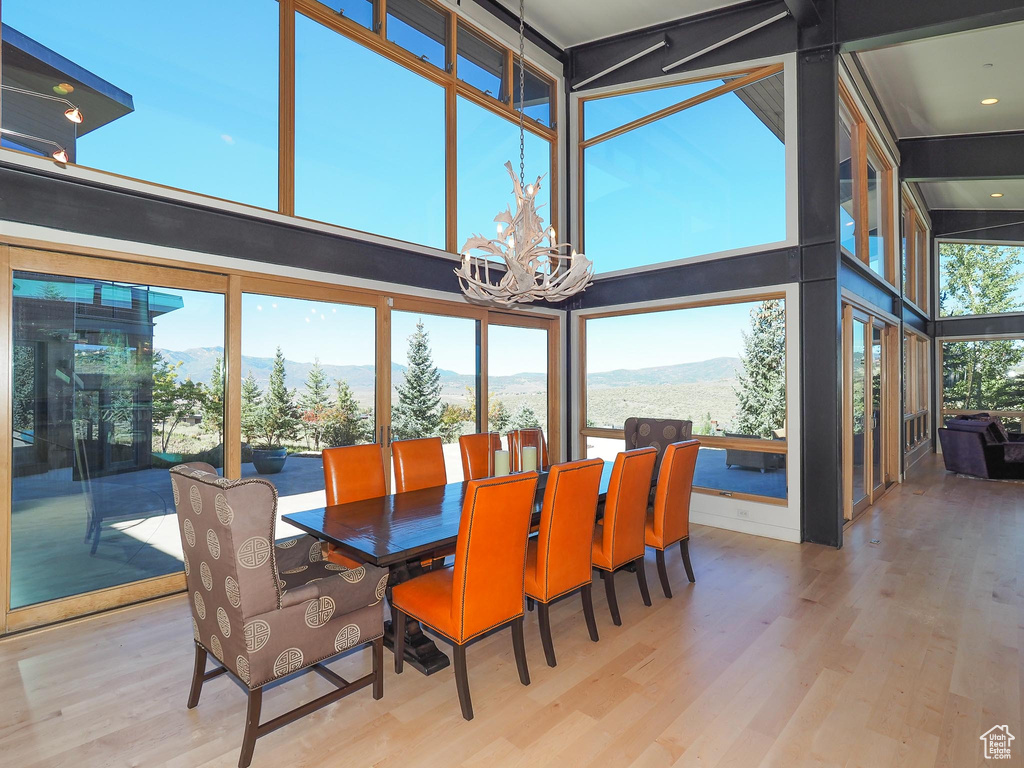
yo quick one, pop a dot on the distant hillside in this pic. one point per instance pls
(715, 369)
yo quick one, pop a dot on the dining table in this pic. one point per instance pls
(399, 532)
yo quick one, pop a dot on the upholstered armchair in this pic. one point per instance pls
(656, 434)
(266, 611)
(981, 446)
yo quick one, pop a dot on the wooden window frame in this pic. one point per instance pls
(758, 445)
(915, 280)
(940, 407)
(104, 264)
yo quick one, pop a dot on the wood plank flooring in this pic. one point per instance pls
(899, 650)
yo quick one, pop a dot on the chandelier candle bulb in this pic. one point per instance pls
(500, 463)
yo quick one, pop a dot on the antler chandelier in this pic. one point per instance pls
(528, 264)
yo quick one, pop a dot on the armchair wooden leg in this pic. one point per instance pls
(252, 727)
(378, 668)
(684, 547)
(198, 671)
(641, 580)
(399, 641)
(462, 681)
(545, 633)
(588, 612)
(659, 557)
(609, 589)
(519, 646)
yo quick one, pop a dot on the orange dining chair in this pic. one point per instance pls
(484, 590)
(352, 473)
(419, 463)
(558, 560)
(669, 519)
(529, 436)
(478, 454)
(619, 538)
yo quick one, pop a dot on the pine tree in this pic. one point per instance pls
(704, 427)
(314, 404)
(525, 418)
(418, 411)
(498, 417)
(345, 422)
(213, 405)
(761, 384)
(278, 417)
(252, 398)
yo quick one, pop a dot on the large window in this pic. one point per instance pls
(980, 278)
(916, 255)
(113, 383)
(363, 99)
(703, 174)
(180, 98)
(517, 378)
(726, 374)
(916, 378)
(865, 192)
(359, 160)
(984, 375)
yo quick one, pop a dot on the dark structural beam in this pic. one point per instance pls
(1012, 324)
(863, 24)
(509, 18)
(978, 225)
(966, 156)
(805, 12)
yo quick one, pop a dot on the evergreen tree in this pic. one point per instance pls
(761, 384)
(980, 280)
(498, 417)
(704, 427)
(252, 398)
(314, 403)
(278, 417)
(24, 395)
(418, 411)
(213, 405)
(525, 418)
(452, 419)
(345, 422)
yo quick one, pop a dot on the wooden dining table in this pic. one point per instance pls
(397, 532)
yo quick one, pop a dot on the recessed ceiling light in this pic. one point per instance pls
(989, 102)
(996, 194)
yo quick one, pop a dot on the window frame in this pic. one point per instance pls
(917, 409)
(786, 64)
(936, 248)
(375, 40)
(940, 405)
(916, 282)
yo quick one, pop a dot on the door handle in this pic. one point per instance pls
(389, 435)
(381, 438)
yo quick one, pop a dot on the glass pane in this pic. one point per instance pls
(486, 142)
(983, 375)
(309, 383)
(708, 179)
(876, 407)
(906, 246)
(359, 160)
(536, 96)
(107, 396)
(728, 377)
(847, 205)
(517, 378)
(923, 255)
(480, 64)
(420, 28)
(434, 375)
(359, 11)
(876, 214)
(603, 115)
(859, 411)
(166, 97)
(720, 469)
(980, 279)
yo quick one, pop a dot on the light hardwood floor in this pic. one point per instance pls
(901, 649)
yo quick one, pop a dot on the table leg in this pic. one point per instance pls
(420, 650)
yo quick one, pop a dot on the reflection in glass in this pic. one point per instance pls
(847, 205)
(537, 92)
(420, 28)
(876, 407)
(876, 198)
(358, 157)
(113, 384)
(480, 64)
(435, 380)
(517, 378)
(708, 179)
(859, 410)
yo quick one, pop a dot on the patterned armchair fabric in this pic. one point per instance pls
(265, 610)
(656, 434)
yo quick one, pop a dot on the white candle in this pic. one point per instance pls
(500, 463)
(529, 458)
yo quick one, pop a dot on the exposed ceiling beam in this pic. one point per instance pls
(978, 225)
(970, 156)
(805, 12)
(502, 13)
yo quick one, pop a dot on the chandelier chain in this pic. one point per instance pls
(522, 91)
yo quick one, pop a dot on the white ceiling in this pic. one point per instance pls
(934, 87)
(571, 22)
(975, 195)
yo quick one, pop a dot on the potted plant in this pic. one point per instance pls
(276, 420)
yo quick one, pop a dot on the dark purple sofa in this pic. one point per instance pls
(981, 446)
